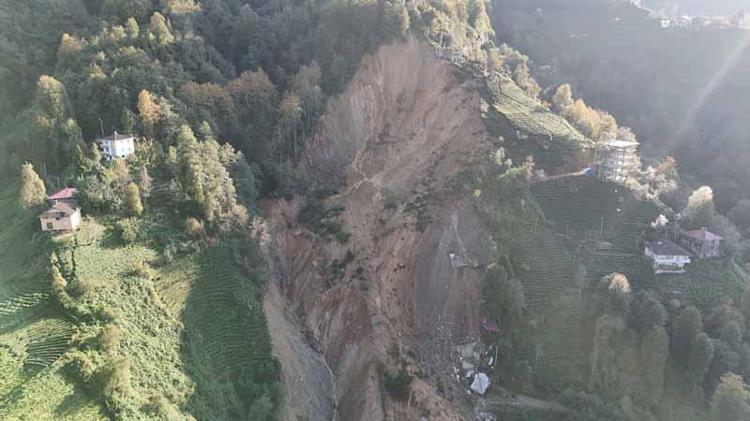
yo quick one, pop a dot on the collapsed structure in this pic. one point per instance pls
(615, 160)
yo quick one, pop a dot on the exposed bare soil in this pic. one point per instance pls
(407, 124)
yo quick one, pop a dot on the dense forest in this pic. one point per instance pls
(154, 307)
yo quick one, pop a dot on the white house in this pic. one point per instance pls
(117, 145)
(667, 256)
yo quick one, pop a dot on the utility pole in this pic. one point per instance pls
(101, 124)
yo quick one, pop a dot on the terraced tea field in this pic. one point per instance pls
(33, 332)
(706, 283)
(213, 364)
(509, 112)
(226, 345)
(608, 218)
(528, 114)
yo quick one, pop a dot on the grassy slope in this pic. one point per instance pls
(609, 220)
(33, 333)
(193, 368)
(151, 335)
(509, 112)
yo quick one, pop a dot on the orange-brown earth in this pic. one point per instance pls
(404, 127)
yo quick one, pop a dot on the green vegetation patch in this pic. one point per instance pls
(511, 112)
(606, 219)
(226, 346)
(34, 333)
(707, 283)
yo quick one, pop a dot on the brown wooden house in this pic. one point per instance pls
(64, 213)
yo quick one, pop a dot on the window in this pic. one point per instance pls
(49, 225)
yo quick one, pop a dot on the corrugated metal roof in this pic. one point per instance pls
(619, 143)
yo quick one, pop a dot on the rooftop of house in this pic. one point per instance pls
(666, 248)
(115, 136)
(66, 193)
(704, 235)
(619, 143)
(60, 207)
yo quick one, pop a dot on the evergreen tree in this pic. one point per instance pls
(88, 164)
(397, 17)
(685, 327)
(190, 164)
(128, 121)
(133, 199)
(32, 192)
(55, 132)
(144, 182)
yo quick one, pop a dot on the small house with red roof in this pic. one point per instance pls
(64, 213)
(68, 194)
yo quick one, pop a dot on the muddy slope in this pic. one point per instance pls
(392, 145)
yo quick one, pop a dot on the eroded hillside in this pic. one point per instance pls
(401, 283)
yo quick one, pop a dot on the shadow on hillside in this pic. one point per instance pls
(225, 343)
(111, 239)
(72, 403)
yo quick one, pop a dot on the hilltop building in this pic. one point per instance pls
(667, 257)
(63, 214)
(117, 145)
(703, 243)
(615, 160)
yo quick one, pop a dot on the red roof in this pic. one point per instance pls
(704, 235)
(490, 326)
(66, 193)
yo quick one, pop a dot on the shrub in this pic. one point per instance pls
(32, 192)
(322, 220)
(194, 227)
(128, 229)
(97, 196)
(390, 200)
(110, 337)
(79, 366)
(397, 384)
(133, 199)
(117, 390)
(143, 270)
